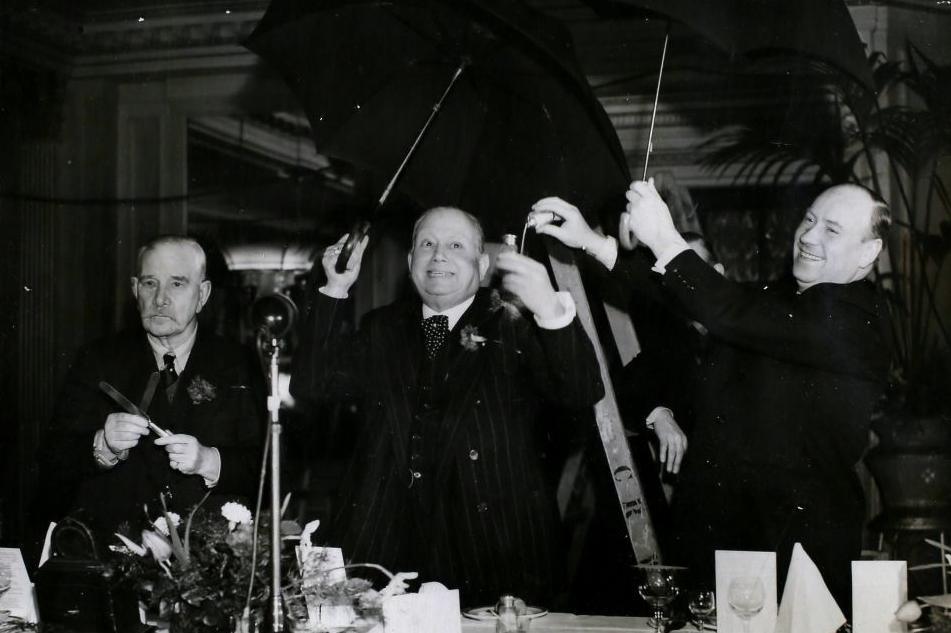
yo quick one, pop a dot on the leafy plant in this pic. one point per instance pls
(896, 142)
(200, 581)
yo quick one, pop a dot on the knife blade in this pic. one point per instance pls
(129, 407)
(150, 387)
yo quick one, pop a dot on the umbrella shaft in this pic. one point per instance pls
(660, 77)
(419, 137)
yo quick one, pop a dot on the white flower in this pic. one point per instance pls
(162, 525)
(157, 544)
(908, 612)
(236, 514)
(132, 547)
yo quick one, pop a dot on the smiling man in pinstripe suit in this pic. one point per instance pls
(447, 478)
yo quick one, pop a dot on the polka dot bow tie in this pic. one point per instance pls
(436, 333)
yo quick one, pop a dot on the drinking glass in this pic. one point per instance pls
(658, 589)
(746, 596)
(701, 605)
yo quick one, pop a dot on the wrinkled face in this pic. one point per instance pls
(833, 243)
(169, 291)
(446, 264)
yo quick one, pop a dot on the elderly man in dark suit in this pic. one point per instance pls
(103, 461)
(783, 415)
(447, 479)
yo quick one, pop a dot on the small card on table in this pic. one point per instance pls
(879, 587)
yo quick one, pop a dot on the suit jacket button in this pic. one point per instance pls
(482, 507)
(473, 454)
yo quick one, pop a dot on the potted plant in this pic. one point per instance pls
(898, 143)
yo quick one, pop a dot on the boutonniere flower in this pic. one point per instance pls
(471, 339)
(200, 390)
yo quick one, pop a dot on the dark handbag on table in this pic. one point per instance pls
(74, 591)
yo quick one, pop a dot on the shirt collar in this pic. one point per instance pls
(182, 351)
(454, 313)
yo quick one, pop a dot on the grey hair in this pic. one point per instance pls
(172, 240)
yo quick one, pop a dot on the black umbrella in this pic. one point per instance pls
(818, 30)
(477, 104)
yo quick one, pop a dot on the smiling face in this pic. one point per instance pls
(834, 242)
(446, 263)
(170, 289)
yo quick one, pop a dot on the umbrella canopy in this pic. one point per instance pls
(820, 30)
(519, 123)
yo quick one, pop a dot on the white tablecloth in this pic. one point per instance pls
(570, 623)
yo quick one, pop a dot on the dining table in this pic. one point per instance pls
(571, 623)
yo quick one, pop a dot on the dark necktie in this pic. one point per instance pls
(436, 333)
(169, 376)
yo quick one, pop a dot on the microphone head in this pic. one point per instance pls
(274, 314)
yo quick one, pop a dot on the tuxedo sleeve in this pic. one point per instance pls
(565, 370)
(241, 454)
(65, 456)
(835, 327)
(329, 362)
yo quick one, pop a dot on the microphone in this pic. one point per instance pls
(274, 315)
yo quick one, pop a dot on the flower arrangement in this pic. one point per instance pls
(209, 578)
(209, 575)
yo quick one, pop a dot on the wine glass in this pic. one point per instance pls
(658, 589)
(701, 605)
(746, 596)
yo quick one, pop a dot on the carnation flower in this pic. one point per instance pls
(471, 339)
(200, 390)
(161, 524)
(236, 514)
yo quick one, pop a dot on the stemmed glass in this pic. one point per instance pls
(701, 605)
(659, 588)
(746, 596)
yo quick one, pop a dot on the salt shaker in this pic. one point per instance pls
(506, 614)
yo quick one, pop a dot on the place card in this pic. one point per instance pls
(879, 587)
(746, 585)
(18, 599)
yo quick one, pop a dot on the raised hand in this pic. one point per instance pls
(338, 284)
(528, 280)
(648, 218)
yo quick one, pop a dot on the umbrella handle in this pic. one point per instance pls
(357, 233)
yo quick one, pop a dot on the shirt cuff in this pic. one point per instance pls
(667, 254)
(656, 413)
(213, 472)
(101, 451)
(335, 295)
(558, 322)
(605, 252)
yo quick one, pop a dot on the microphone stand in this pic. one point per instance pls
(273, 407)
(276, 314)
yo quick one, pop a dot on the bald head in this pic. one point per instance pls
(840, 236)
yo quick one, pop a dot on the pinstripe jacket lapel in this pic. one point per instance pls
(402, 356)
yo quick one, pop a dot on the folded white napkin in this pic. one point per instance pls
(807, 606)
(434, 609)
